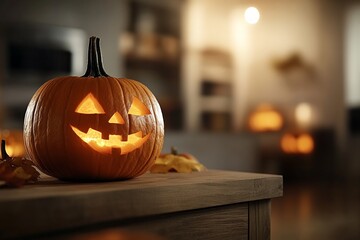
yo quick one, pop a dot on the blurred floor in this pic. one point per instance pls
(318, 211)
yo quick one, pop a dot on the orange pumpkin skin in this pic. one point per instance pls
(57, 150)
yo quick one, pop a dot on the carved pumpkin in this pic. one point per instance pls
(297, 143)
(265, 118)
(93, 127)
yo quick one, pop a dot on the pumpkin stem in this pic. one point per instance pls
(4, 154)
(94, 67)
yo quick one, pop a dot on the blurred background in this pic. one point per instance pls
(247, 85)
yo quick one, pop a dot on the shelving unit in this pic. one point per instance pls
(211, 77)
(151, 53)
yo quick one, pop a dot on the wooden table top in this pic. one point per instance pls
(52, 204)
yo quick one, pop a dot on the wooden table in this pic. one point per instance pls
(205, 205)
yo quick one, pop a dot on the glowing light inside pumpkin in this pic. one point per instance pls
(95, 141)
(138, 108)
(265, 118)
(89, 105)
(116, 119)
(303, 144)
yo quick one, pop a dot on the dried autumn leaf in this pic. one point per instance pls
(16, 171)
(174, 162)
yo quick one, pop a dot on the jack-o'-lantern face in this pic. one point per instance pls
(93, 127)
(94, 137)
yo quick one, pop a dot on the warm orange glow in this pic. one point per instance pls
(138, 108)
(289, 143)
(14, 142)
(265, 118)
(15, 149)
(303, 144)
(89, 105)
(94, 139)
(116, 119)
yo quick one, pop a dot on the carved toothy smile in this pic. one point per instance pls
(94, 139)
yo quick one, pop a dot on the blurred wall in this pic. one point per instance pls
(310, 29)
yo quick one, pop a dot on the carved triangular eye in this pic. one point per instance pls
(117, 119)
(138, 108)
(89, 105)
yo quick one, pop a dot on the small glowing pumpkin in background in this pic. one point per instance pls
(14, 142)
(265, 118)
(297, 143)
(93, 127)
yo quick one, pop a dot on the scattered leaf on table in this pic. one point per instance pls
(174, 162)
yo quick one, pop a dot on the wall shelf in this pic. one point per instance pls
(150, 48)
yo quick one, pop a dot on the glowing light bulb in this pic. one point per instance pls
(303, 113)
(252, 15)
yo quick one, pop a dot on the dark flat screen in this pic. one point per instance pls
(41, 59)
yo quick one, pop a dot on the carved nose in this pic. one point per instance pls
(116, 118)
